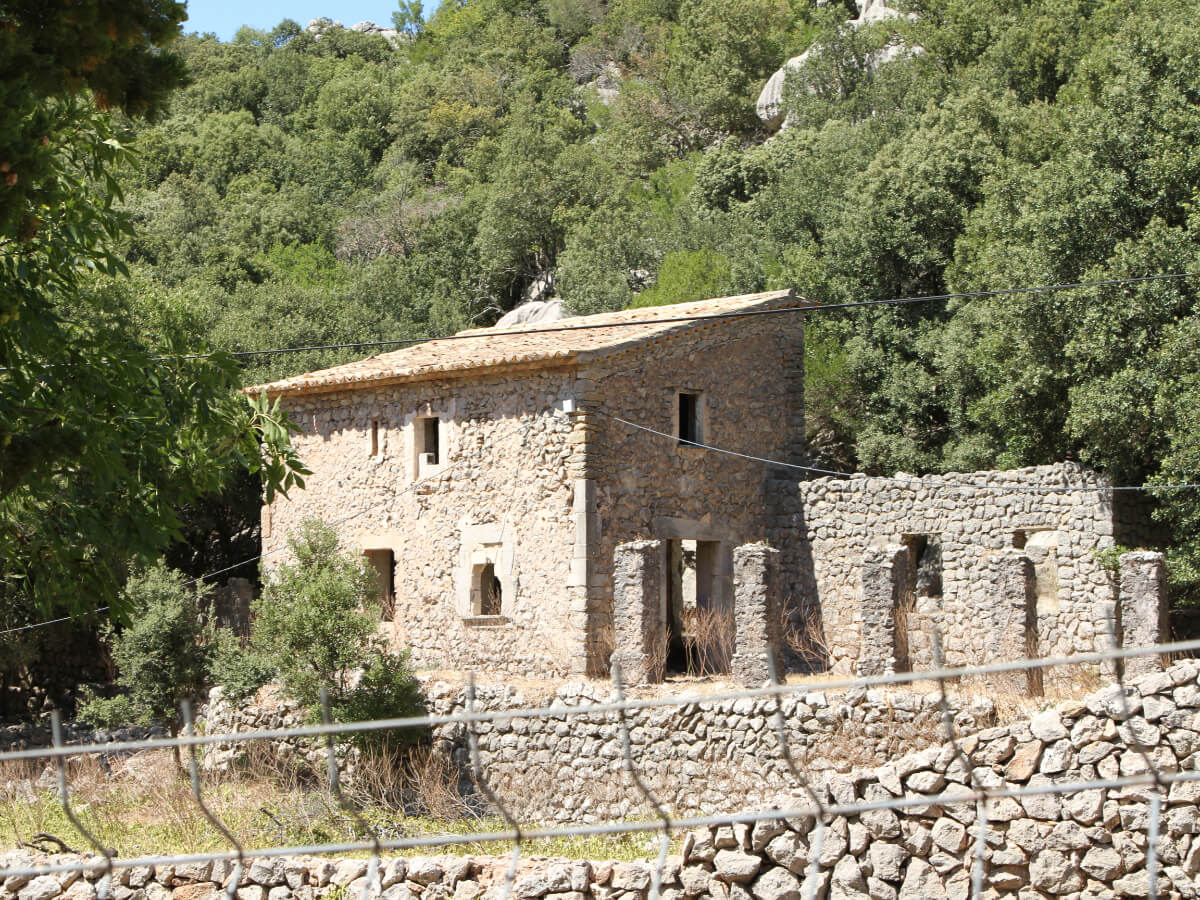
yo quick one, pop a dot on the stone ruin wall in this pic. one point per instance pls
(1083, 845)
(503, 478)
(838, 523)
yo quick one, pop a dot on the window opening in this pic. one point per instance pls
(486, 590)
(924, 582)
(374, 437)
(384, 564)
(689, 418)
(489, 585)
(429, 444)
(1041, 546)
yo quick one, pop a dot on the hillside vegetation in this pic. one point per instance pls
(310, 191)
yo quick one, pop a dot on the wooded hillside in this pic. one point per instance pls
(312, 191)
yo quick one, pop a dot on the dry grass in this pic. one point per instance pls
(144, 805)
(708, 640)
(804, 637)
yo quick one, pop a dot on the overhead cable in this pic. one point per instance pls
(743, 314)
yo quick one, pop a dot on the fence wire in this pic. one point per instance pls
(816, 804)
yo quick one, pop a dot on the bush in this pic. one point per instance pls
(315, 627)
(240, 670)
(162, 655)
(108, 712)
(386, 690)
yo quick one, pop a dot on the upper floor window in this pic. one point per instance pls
(427, 442)
(690, 418)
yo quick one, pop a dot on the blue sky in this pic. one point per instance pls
(225, 17)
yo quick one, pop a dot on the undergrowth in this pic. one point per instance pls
(144, 805)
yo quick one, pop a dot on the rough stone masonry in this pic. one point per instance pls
(957, 530)
(1085, 844)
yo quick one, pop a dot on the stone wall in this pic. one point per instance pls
(501, 487)
(1083, 844)
(1077, 844)
(308, 878)
(957, 537)
(749, 381)
(699, 757)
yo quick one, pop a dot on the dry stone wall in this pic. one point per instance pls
(1088, 844)
(700, 757)
(957, 536)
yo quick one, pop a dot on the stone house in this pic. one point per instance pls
(485, 476)
(490, 478)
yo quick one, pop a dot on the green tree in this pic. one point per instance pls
(162, 656)
(313, 618)
(685, 276)
(98, 439)
(315, 629)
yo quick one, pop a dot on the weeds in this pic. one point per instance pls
(144, 805)
(708, 640)
(803, 637)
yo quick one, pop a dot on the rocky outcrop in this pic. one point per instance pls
(322, 24)
(535, 312)
(769, 105)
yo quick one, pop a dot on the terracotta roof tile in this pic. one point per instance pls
(573, 339)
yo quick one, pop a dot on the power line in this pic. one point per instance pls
(907, 482)
(53, 621)
(824, 307)
(362, 512)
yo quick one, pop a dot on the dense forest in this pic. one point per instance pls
(309, 190)
(303, 189)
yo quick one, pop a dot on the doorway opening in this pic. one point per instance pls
(699, 627)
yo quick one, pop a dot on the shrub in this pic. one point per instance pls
(387, 689)
(161, 655)
(109, 712)
(315, 627)
(240, 670)
(313, 620)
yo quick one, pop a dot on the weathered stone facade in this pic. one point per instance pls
(962, 533)
(489, 475)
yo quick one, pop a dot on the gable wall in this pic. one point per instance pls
(750, 376)
(504, 479)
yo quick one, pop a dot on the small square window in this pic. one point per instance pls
(690, 429)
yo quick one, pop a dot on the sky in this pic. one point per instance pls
(225, 17)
